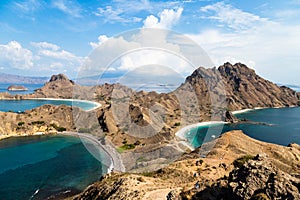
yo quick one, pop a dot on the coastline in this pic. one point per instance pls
(96, 104)
(116, 163)
(183, 131)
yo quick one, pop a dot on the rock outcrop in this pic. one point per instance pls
(257, 178)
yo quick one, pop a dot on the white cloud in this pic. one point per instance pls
(167, 18)
(125, 11)
(231, 17)
(45, 45)
(101, 39)
(146, 48)
(69, 7)
(13, 55)
(112, 15)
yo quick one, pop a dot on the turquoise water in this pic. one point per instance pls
(283, 127)
(50, 164)
(22, 105)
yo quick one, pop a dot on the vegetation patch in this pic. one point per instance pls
(125, 147)
(240, 161)
(38, 122)
(21, 123)
(58, 128)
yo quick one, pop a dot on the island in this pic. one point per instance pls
(17, 88)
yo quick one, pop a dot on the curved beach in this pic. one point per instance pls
(116, 161)
(96, 104)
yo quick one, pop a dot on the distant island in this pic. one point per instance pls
(17, 88)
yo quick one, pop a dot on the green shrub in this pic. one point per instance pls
(21, 123)
(37, 122)
(58, 128)
(177, 124)
(125, 147)
(240, 161)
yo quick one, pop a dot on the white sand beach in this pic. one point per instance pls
(97, 105)
(182, 132)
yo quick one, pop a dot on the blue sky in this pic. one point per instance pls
(40, 38)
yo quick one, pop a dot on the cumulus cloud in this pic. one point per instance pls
(170, 52)
(101, 39)
(13, 55)
(166, 19)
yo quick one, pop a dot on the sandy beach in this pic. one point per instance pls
(182, 132)
(97, 105)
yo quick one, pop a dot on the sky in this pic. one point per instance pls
(41, 38)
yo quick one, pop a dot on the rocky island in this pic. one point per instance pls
(17, 88)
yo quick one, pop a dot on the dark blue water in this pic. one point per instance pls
(22, 105)
(283, 127)
(49, 164)
(30, 87)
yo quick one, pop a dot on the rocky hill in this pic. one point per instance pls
(245, 89)
(44, 119)
(59, 86)
(238, 167)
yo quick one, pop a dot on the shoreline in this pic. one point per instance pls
(116, 163)
(248, 110)
(96, 104)
(180, 134)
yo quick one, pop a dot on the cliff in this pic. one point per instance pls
(230, 171)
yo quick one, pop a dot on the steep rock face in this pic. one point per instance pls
(245, 89)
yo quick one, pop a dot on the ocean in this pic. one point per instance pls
(37, 167)
(276, 125)
(28, 104)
